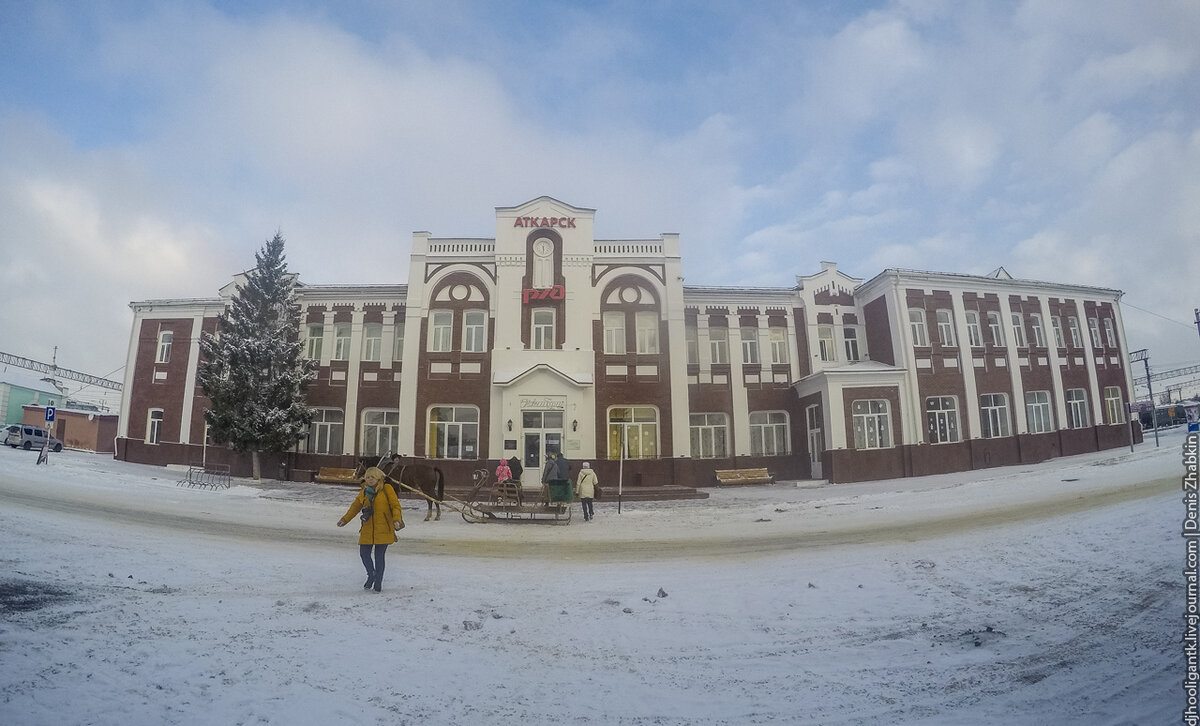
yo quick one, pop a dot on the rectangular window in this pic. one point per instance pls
(993, 415)
(154, 423)
(647, 332)
(945, 326)
(825, 343)
(1018, 330)
(381, 431)
(474, 331)
(994, 329)
(1094, 332)
(398, 342)
(769, 433)
(1056, 324)
(692, 336)
(1038, 413)
(1076, 335)
(1114, 406)
(710, 435)
(1110, 333)
(325, 432)
(634, 428)
(916, 321)
(779, 345)
(850, 336)
(718, 345)
(614, 332)
(453, 432)
(974, 334)
(441, 331)
(372, 346)
(341, 341)
(941, 419)
(749, 338)
(872, 422)
(1077, 409)
(165, 338)
(1039, 333)
(543, 329)
(316, 338)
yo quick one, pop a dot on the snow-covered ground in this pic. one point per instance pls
(1045, 594)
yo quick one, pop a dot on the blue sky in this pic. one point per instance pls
(147, 149)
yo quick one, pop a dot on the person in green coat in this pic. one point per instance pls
(381, 519)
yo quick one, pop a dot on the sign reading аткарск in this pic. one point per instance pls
(560, 222)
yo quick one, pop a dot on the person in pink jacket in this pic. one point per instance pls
(381, 519)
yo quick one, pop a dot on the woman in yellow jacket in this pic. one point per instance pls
(381, 519)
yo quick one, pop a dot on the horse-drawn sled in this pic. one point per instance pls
(488, 501)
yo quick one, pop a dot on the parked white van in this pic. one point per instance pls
(29, 437)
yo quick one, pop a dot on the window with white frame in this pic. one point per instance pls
(850, 338)
(691, 335)
(872, 423)
(825, 344)
(993, 415)
(1114, 405)
(316, 338)
(154, 426)
(325, 431)
(474, 331)
(453, 432)
(749, 338)
(543, 328)
(995, 329)
(341, 341)
(165, 338)
(441, 331)
(710, 435)
(647, 331)
(1038, 413)
(635, 429)
(1039, 333)
(769, 433)
(1110, 333)
(974, 333)
(398, 341)
(945, 326)
(941, 419)
(916, 321)
(1076, 334)
(614, 332)
(1018, 330)
(380, 432)
(1056, 324)
(372, 346)
(1077, 409)
(1094, 332)
(718, 345)
(779, 345)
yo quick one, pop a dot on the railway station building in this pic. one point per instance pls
(545, 338)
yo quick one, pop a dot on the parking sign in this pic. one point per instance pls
(49, 414)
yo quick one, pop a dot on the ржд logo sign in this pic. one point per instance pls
(558, 292)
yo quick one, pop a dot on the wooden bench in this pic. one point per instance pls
(336, 475)
(744, 476)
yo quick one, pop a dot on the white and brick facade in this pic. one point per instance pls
(547, 338)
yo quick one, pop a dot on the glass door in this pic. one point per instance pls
(541, 435)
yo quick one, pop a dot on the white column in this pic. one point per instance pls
(189, 385)
(1058, 395)
(966, 361)
(353, 376)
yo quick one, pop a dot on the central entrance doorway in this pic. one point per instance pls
(542, 434)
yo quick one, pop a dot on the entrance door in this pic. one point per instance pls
(816, 440)
(541, 434)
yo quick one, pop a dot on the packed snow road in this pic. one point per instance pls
(732, 522)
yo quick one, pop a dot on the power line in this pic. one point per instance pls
(1157, 315)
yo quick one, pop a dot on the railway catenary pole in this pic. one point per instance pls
(1143, 355)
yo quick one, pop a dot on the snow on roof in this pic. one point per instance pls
(28, 380)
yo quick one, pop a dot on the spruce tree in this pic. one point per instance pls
(252, 370)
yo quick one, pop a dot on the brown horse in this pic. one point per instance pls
(426, 479)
